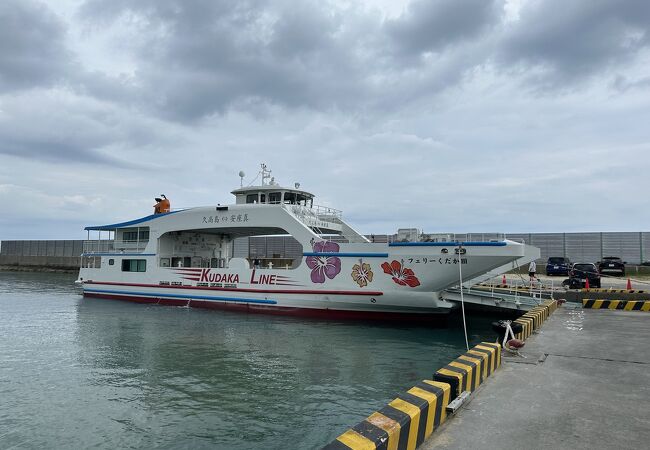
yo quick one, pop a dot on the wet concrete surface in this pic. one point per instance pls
(585, 384)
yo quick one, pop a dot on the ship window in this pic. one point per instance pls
(132, 236)
(275, 197)
(263, 198)
(134, 265)
(251, 198)
(111, 262)
(301, 199)
(290, 198)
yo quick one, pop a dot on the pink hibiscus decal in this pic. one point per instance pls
(324, 266)
(401, 275)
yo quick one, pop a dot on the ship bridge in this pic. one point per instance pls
(299, 203)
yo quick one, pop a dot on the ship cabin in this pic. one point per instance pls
(169, 239)
(273, 194)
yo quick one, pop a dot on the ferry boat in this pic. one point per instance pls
(187, 257)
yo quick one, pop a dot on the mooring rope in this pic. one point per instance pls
(462, 300)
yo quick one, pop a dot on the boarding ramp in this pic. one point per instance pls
(516, 295)
(513, 295)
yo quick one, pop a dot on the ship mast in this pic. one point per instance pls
(266, 174)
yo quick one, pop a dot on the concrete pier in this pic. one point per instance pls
(585, 384)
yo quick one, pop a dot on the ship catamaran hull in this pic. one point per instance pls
(187, 258)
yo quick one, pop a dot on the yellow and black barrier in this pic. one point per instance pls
(403, 424)
(551, 305)
(527, 327)
(625, 305)
(409, 419)
(537, 317)
(534, 318)
(464, 374)
(615, 291)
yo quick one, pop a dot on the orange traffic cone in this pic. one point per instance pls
(629, 285)
(503, 281)
(587, 283)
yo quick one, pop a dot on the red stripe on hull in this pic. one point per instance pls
(330, 314)
(271, 291)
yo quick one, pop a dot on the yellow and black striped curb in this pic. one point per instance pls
(465, 373)
(615, 291)
(533, 319)
(527, 325)
(411, 418)
(625, 305)
(403, 424)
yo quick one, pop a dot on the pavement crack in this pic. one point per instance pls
(600, 359)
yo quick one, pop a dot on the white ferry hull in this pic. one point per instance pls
(338, 306)
(187, 258)
(401, 284)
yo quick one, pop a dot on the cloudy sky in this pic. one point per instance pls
(446, 115)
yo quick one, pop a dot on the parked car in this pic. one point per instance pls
(579, 274)
(612, 265)
(557, 265)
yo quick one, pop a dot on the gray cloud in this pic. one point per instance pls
(61, 127)
(424, 111)
(32, 48)
(568, 41)
(431, 26)
(199, 58)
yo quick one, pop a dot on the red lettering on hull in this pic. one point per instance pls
(208, 277)
(263, 279)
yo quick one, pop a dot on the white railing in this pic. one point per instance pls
(113, 246)
(518, 288)
(453, 237)
(317, 211)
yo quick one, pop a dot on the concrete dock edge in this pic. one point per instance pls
(408, 420)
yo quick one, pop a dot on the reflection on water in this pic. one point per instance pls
(88, 372)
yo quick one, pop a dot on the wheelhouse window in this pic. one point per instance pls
(134, 265)
(290, 198)
(132, 235)
(275, 197)
(251, 198)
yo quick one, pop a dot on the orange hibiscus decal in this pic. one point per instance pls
(362, 274)
(401, 275)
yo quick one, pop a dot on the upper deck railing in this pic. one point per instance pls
(113, 246)
(413, 236)
(316, 216)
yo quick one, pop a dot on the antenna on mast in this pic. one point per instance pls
(241, 175)
(266, 174)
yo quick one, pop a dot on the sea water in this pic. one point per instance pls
(80, 372)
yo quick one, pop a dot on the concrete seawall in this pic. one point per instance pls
(41, 255)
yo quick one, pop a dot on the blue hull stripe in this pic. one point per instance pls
(447, 244)
(348, 255)
(197, 297)
(118, 254)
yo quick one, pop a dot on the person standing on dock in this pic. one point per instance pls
(532, 269)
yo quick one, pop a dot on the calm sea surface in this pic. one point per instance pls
(78, 372)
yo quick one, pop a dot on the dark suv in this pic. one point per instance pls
(556, 265)
(612, 265)
(579, 274)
